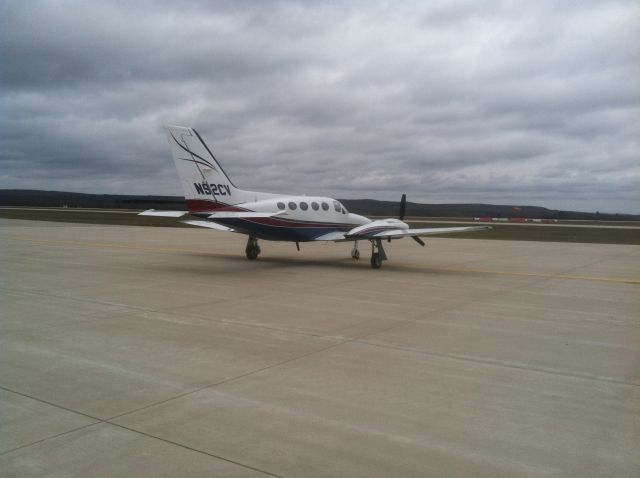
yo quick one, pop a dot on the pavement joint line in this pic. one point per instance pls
(497, 363)
(26, 395)
(52, 437)
(471, 301)
(343, 342)
(101, 245)
(227, 321)
(246, 374)
(99, 421)
(232, 379)
(187, 447)
(120, 307)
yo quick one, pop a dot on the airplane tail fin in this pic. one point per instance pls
(205, 184)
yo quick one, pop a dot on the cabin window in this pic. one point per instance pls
(304, 206)
(315, 206)
(293, 206)
(336, 206)
(281, 205)
(325, 206)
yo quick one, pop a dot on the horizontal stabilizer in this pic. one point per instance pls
(153, 212)
(210, 225)
(242, 214)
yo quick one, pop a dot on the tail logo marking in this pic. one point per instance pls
(200, 159)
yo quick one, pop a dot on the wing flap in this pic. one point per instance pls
(153, 212)
(209, 225)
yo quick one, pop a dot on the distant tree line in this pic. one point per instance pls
(36, 198)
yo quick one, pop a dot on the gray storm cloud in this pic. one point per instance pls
(504, 102)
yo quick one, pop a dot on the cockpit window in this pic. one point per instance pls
(344, 211)
(336, 206)
(281, 205)
(293, 206)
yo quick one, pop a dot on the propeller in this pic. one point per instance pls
(403, 208)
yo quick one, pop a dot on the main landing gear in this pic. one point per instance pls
(253, 249)
(377, 254)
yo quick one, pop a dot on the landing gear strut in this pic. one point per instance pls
(253, 249)
(376, 263)
(355, 253)
(377, 253)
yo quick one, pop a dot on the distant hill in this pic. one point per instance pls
(36, 198)
(390, 208)
(370, 207)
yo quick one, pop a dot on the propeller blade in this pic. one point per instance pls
(418, 240)
(403, 206)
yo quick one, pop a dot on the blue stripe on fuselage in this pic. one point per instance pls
(280, 233)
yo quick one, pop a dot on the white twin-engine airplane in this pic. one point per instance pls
(211, 196)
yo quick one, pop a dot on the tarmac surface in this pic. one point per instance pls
(133, 351)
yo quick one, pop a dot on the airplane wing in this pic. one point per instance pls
(213, 215)
(153, 212)
(398, 233)
(210, 225)
(242, 214)
(430, 231)
(332, 236)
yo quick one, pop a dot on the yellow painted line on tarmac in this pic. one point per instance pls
(174, 250)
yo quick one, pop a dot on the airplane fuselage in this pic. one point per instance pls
(299, 218)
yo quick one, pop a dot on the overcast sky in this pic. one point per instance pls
(508, 102)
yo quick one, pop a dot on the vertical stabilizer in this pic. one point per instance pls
(205, 184)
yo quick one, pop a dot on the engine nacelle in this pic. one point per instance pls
(375, 227)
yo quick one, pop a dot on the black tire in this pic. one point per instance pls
(375, 260)
(355, 255)
(252, 253)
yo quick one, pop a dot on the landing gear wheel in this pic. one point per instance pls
(376, 262)
(253, 249)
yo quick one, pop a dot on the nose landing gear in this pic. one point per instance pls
(355, 253)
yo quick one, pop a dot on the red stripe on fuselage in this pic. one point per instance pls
(203, 205)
